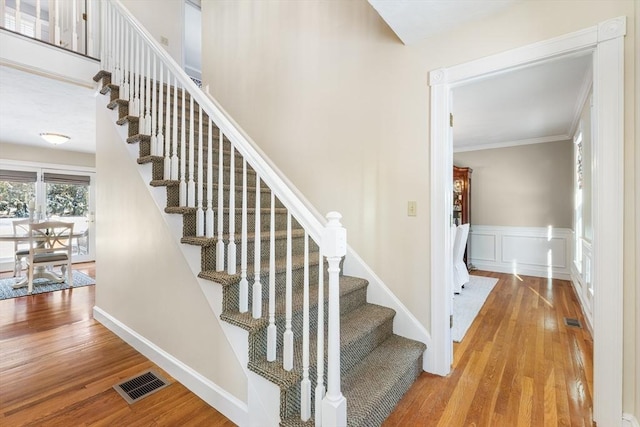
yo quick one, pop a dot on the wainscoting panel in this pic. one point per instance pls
(532, 251)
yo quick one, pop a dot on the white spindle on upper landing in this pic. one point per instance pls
(38, 28)
(174, 138)
(183, 150)
(147, 97)
(74, 26)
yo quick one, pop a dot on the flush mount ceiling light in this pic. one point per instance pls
(54, 138)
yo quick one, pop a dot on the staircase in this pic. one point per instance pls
(376, 366)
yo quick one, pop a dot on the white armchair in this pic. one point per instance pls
(460, 273)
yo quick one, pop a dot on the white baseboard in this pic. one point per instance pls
(229, 405)
(628, 420)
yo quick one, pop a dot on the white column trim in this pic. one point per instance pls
(606, 42)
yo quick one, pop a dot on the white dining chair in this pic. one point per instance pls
(460, 273)
(20, 247)
(50, 244)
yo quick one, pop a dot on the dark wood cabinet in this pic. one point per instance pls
(461, 195)
(462, 203)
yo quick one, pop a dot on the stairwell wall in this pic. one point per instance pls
(144, 281)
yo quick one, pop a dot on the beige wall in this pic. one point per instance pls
(143, 278)
(162, 19)
(342, 107)
(523, 186)
(26, 153)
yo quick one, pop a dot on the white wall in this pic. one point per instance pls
(163, 19)
(341, 106)
(26, 153)
(144, 281)
(522, 186)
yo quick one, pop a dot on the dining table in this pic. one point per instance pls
(40, 272)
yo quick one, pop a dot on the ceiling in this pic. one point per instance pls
(539, 103)
(416, 20)
(31, 104)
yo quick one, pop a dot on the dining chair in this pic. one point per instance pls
(460, 273)
(50, 245)
(20, 247)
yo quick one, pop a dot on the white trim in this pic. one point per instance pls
(628, 420)
(440, 354)
(504, 144)
(606, 42)
(37, 165)
(229, 405)
(494, 248)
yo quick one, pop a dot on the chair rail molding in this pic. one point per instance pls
(606, 42)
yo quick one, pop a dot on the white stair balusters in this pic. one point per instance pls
(56, 26)
(191, 184)
(209, 219)
(135, 111)
(38, 28)
(167, 130)
(272, 330)
(124, 87)
(334, 247)
(220, 242)
(174, 139)
(200, 211)
(319, 395)
(287, 350)
(183, 150)
(305, 386)
(244, 283)
(74, 26)
(256, 303)
(231, 249)
(147, 97)
(153, 111)
(142, 89)
(160, 116)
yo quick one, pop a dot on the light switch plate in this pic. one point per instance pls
(412, 208)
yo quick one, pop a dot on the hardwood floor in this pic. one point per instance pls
(58, 366)
(518, 365)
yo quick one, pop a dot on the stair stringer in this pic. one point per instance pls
(263, 401)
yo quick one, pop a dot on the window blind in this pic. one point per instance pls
(17, 176)
(60, 178)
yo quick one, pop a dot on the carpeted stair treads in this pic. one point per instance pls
(377, 367)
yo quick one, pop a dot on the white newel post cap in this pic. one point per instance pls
(334, 237)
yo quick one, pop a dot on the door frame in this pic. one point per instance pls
(606, 42)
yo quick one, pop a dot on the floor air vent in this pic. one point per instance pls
(572, 322)
(141, 386)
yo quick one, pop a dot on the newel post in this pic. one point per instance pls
(334, 247)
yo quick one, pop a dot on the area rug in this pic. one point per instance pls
(467, 304)
(41, 286)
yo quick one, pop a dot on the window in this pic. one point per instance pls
(47, 194)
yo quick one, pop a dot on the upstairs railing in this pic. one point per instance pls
(156, 87)
(70, 24)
